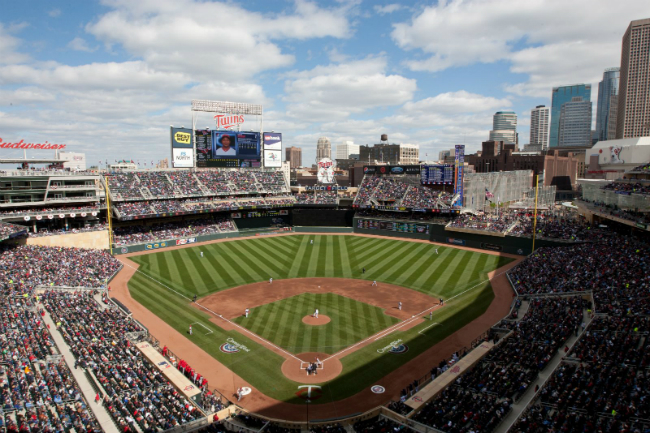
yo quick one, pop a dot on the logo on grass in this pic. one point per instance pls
(394, 347)
(228, 348)
(309, 392)
(402, 348)
(378, 389)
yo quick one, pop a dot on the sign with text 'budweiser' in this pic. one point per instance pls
(22, 145)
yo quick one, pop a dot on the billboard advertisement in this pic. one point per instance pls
(437, 174)
(182, 158)
(272, 141)
(227, 149)
(393, 226)
(325, 171)
(391, 169)
(272, 158)
(459, 153)
(181, 138)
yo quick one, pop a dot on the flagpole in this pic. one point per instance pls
(535, 213)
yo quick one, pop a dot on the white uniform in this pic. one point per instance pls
(374, 283)
(270, 280)
(246, 312)
(316, 313)
(399, 306)
(311, 242)
(201, 253)
(436, 250)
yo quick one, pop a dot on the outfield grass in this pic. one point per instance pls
(280, 322)
(450, 273)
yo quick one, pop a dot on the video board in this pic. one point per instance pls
(392, 226)
(227, 148)
(438, 174)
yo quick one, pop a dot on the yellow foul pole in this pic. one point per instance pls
(535, 213)
(108, 215)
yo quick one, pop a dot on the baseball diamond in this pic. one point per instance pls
(334, 273)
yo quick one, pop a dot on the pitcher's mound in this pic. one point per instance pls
(315, 321)
(331, 368)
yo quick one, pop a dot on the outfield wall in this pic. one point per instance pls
(312, 229)
(322, 217)
(437, 233)
(152, 246)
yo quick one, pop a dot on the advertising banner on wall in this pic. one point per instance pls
(325, 171)
(227, 149)
(182, 158)
(459, 153)
(181, 138)
(272, 141)
(272, 158)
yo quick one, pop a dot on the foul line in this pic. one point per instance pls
(430, 326)
(210, 331)
(241, 328)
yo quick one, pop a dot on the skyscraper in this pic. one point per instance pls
(294, 156)
(560, 96)
(607, 105)
(345, 149)
(633, 118)
(504, 127)
(575, 123)
(323, 148)
(539, 117)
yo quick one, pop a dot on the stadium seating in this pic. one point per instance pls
(399, 191)
(632, 188)
(9, 230)
(129, 235)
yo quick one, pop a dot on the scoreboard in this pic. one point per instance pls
(439, 174)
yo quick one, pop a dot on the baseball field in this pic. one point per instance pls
(363, 335)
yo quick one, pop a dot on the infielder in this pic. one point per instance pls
(270, 280)
(374, 283)
(190, 330)
(316, 314)
(246, 313)
(399, 305)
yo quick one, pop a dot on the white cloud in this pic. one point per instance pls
(208, 39)
(387, 9)
(553, 42)
(456, 102)
(9, 45)
(338, 90)
(80, 44)
(54, 13)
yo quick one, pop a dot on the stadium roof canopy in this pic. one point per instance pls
(30, 161)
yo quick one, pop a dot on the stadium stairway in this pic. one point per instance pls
(98, 409)
(528, 396)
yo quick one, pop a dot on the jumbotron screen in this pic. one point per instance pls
(439, 174)
(227, 149)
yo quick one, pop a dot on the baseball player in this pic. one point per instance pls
(430, 315)
(442, 302)
(246, 313)
(399, 305)
(311, 242)
(271, 280)
(316, 314)
(318, 362)
(239, 391)
(374, 283)
(436, 250)
(201, 253)
(190, 329)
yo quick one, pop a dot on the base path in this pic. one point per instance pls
(316, 321)
(226, 382)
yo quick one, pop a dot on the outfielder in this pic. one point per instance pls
(190, 330)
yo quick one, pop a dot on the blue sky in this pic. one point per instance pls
(109, 77)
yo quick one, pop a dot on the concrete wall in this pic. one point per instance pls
(97, 239)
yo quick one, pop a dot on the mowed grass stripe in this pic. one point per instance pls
(241, 268)
(272, 252)
(300, 255)
(418, 266)
(220, 264)
(370, 249)
(278, 248)
(321, 243)
(387, 259)
(402, 264)
(256, 262)
(425, 280)
(340, 252)
(313, 250)
(448, 276)
(202, 281)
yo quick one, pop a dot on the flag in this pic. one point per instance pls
(488, 194)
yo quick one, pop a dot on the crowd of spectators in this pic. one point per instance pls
(487, 222)
(630, 215)
(27, 266)
(628, 187)
(53, 232)
(201, 183)
(400, 191)
(8, 230)
(36, 394)
(642, 167)
(377, 425)
(50, 210)
(480, 398)
(326, 197)
(134, 392)
(616, 269)
(128, 235)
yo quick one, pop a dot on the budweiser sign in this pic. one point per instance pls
(23, 145)
(227, 122)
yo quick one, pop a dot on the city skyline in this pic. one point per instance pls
(108, 78)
